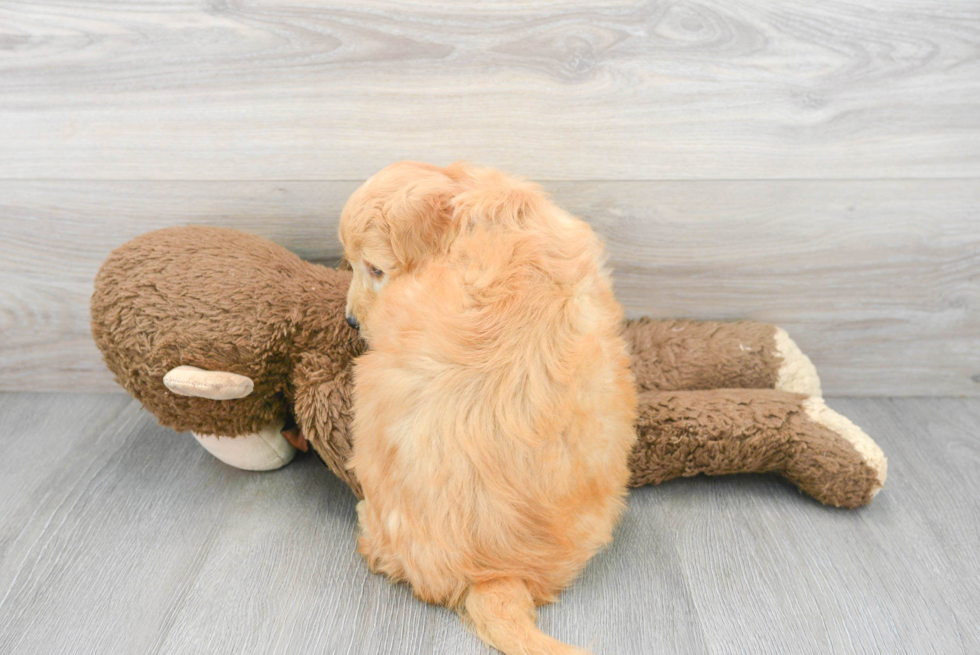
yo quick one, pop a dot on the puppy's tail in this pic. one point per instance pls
(502, 611)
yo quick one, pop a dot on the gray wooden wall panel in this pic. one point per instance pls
(877, 280)
(811, 164)
(704, 89)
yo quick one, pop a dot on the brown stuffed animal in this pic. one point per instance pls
(231, 337)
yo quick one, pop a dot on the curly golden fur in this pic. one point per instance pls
(494, 409)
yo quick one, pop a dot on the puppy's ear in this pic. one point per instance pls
(493, 197)
(420, 218)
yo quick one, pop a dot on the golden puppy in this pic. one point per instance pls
(494, 409)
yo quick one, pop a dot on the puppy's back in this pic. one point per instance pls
(494, 411)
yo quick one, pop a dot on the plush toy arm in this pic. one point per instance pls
(324, 413)
(672, 354)
(723, 431)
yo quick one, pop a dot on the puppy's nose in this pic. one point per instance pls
(351, 321)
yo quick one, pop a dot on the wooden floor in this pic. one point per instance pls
(119, 536)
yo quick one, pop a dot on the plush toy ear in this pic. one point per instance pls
(216, 385)
(420, 218)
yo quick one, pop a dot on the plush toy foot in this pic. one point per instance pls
(723, 431)
(796, 373)
(265, 450)
(815, 469)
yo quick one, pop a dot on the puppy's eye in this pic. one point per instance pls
(375, 271)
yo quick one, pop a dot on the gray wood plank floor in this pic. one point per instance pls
(119, 536)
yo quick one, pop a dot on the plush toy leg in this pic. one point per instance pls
(264, 450)
(723, 431)
(714, 355)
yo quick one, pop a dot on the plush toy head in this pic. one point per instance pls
(250, 314)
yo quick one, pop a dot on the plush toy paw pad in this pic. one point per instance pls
(796, 374)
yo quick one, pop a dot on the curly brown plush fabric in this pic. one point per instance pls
(678, 354)
(723, 431)
(223, 300)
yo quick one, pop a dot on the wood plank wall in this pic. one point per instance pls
(811, 164)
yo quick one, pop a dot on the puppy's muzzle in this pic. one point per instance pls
(351, 321)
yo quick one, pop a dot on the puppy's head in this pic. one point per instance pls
(396, 220)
